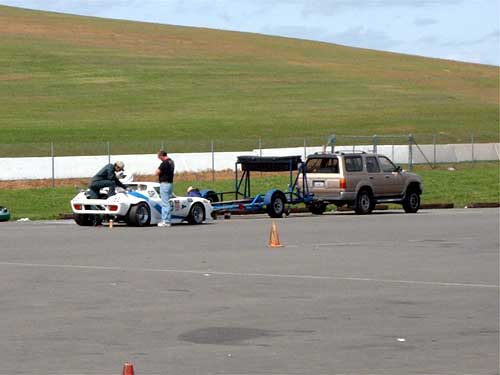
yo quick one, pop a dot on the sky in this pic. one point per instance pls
(463, 30)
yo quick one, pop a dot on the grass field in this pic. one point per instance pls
(468, 183)
(79, 79)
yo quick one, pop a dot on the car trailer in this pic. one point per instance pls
(274, 201)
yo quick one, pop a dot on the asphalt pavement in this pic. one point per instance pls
(387, 293)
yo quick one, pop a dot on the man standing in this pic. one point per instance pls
(106, 177)
(165, 173)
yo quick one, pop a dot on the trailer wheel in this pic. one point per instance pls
(211, 196)
(139, 215)
(276, 207)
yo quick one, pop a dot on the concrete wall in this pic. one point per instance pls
(87, 166)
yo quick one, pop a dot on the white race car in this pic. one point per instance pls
(139, 205)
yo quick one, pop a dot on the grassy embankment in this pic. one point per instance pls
(468, 183)
(72, 80)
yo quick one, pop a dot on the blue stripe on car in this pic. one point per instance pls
(142, 196)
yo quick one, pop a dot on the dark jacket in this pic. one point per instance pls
(107, 173)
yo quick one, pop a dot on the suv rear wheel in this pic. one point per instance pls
(364, 203)
(411, 202)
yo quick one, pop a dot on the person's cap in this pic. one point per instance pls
(120, 165)
(190, 189)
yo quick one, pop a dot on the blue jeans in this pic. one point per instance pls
(166, 190)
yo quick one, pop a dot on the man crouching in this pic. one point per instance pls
(106, 177)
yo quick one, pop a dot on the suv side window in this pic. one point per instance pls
(323, 165)
(353, 164)
(386, 164)
(372, 165)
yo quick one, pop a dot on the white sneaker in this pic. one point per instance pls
(163, 224)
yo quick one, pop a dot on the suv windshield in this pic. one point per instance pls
(323, 165)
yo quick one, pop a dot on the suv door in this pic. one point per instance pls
(393, 179)
(375, 176)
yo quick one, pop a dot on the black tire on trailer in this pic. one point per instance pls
(276, 206)
(317, 208)
(196, 214)
(411, 201)
(85, 220)
(139, 215)
(212, 196)
(365, 203)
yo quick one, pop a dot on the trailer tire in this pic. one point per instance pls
(276, 206)
(211, 196)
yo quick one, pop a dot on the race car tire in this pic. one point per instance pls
(85, 220)
(276, 207)
(196, 214)
(139, 215)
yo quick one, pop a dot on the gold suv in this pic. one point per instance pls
(360, 180)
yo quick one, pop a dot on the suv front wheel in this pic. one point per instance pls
(411, 202)
(364, 203)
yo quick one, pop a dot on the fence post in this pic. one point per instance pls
(109, 151)
(375, 142)
(410, 152)
(305, 148)
(213, 160)
(434, 144)
(332, 141)
(260, 146)
(472, 146)
(53, 164)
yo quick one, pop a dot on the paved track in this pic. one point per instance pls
(388, 293)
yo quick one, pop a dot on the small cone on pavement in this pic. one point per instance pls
(274, 238)
(128, 369)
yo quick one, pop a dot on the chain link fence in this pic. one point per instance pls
(417, 148)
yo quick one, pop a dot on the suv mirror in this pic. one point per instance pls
(398, 168)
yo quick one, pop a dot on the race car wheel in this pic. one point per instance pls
(411, 202)
(139, 215)
(196, 214)
(317, 208)
(364, 203)
(276, 207)
(85, 220)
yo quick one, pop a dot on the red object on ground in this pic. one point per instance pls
(128, 369)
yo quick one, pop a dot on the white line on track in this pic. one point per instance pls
(250, 274)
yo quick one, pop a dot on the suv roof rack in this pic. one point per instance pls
(349, 152)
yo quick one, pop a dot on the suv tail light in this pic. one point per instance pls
(113, 208)
(343, 183)
(77, 207)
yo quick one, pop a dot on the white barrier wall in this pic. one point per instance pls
(87, 166)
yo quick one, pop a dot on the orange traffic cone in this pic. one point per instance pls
(128, 369)
(274, 238)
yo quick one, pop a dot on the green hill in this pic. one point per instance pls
(69, 78)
